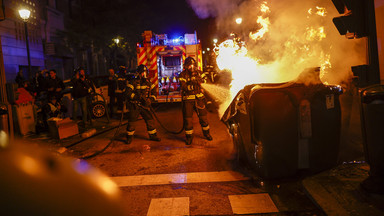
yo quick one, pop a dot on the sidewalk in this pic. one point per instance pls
(60, 146)
(337, 191)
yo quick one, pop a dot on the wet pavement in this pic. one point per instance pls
(336, 191)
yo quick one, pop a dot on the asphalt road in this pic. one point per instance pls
(170, 178)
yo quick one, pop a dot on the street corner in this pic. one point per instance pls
(338, 192)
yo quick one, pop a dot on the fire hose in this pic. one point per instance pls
(117, 130)
(110, 142)
(153, 113)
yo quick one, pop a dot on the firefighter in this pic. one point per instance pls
(193, 99)
(121, 83)
(210, 74)
(140, 93)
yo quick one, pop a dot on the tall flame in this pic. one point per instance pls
(264, 22)
(233, 54)
(279, 40)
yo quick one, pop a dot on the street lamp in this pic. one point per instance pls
(239, 20)
(24, 14)
(117, 41)
(215, 40)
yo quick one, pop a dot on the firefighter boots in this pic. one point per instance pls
(129, 139)
(207, 135)
(188, 140)
(154, 137)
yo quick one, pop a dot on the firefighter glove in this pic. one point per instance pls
(145, 101)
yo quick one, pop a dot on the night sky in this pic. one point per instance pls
(176, 17)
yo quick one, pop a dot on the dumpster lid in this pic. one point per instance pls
(373, 93)
(240, 101)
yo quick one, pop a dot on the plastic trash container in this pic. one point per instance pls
(372, 99)
(282, 129)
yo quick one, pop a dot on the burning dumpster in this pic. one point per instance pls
(281, 129)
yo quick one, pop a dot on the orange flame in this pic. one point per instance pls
(264, 22)
(232, 55)
(315, 34)
(320, 11)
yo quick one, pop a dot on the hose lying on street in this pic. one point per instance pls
(166, 129)
(117, 130)
(110, 142)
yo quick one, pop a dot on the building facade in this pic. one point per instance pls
(13, 39)
(47, 44)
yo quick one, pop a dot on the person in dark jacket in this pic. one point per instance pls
(53, 108)
(40, 83)
(55, 85)
(112, 83)
(193, 99)
(20, 79)
(140, 92)
(82, 88)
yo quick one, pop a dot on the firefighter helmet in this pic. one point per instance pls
(189, 61)
(142, 69)
(122, 69)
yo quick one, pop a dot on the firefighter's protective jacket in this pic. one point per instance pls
(112, 84)
(190, 84)
(140, 91)
(121, 83)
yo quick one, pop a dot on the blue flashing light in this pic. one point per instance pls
(176, 41)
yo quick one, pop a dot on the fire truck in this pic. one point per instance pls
(164, 58)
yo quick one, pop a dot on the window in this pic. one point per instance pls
(171, 61)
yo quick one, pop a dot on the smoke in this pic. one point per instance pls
(291, 48)
(212, 8)
(298, 37)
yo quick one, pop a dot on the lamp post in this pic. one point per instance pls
(24, 14)
(116, 40)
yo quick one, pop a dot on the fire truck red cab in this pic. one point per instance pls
(164, 58)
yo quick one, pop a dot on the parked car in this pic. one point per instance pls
(99, 99)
